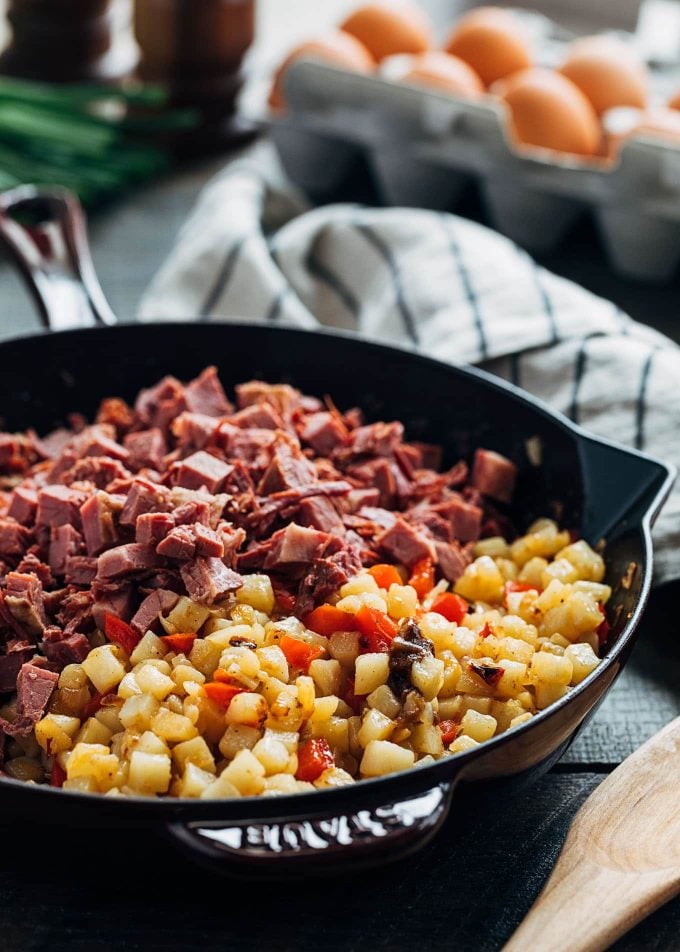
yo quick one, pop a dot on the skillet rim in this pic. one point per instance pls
(409, 782)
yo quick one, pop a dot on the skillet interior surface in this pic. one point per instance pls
(591, 487)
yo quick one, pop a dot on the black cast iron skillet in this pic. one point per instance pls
(600, 489)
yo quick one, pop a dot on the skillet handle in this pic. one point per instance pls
(44, 231)
(305, 845)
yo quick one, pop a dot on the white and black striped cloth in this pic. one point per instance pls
(450, 287)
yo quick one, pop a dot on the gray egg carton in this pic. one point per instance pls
(424, 148)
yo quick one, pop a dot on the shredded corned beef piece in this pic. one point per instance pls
(181, 492)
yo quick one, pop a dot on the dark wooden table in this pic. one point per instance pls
(72, 890)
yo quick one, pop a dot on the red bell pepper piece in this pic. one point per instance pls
(453, 607)
(327, 619)
(422, 577)
(181, 643)
(377, 629)
(120, 633)
(486, 631)
(449, 731)
(385, 575)
(58, 775)
(93, 704)
(314, 757)
(223, 676)
(355, 701)
(222, 694)
(298, 653)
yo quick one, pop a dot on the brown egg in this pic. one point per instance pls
(338, 48)
(445, 73)
(492, 41)
(547, 110)
(622, 124)
(674, 101)
(386, 28)
(607, 72)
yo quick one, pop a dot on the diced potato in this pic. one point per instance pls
(427, 739)
(281, 784)
(220, 789)
(589, 565)
(513, 678)
(352, 603)
(148, 649)
(150, 743)
(359, 585)
(272, 755)
(225, 635)
(327, 674)
(343, 646)
(73, 676)
(375, 726)
(583, 660)
(520, 719)
(185, 616)
(495, 546)
(482, 705)
(532, 571)
(240, 662)
(128, 686)
(451, 708)
(427, 675)
(505, 712)
(196, 752)
(138, 712)
(547, 693)
(173, 728)
(248, 708)
(240, 737)
(185, 674)
(93, 732)
(306, 694)
(104, 668)
(481, 581)
(576, 616)
(324, 707)
(402, 601)
(149, 773)
(479, 727)
(382, 757)
(551, 669)
(55, 732)
(370, 671)
(335, 730)
(438, 630)
(273, 661)
(257, 591)
(601, 593)
(289, 739)
(462, 743)
(109, 718)
(384, 700)
(194, 781)
(463, 643)
(333, 777)
(205, 656)
(154, 682)
(561, 569)
(246, 773)
(93, 761)
(508, 569)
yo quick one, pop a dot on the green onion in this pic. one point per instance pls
(92, 138)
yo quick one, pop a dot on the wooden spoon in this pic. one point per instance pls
(621, 858)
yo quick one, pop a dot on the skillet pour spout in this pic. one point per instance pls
(600, 490)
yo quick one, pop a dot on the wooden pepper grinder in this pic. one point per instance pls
(68, 41)
(197, 50)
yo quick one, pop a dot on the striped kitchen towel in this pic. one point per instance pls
(448, 286)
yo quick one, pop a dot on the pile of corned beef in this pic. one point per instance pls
(183, 492)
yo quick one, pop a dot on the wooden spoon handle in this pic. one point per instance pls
(587, 908)
(621, 858)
